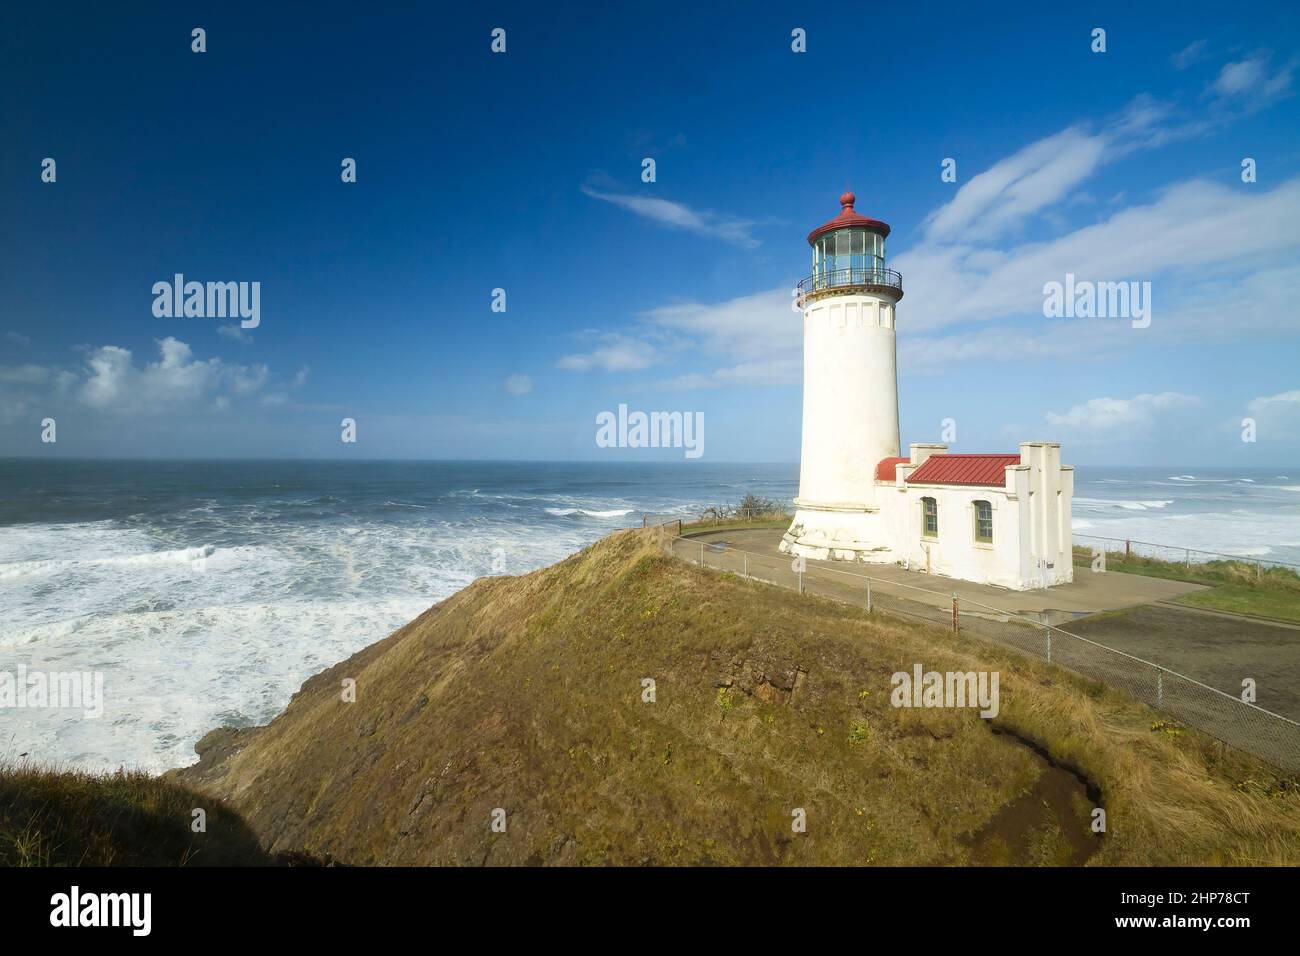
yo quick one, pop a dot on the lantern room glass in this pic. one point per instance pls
(848, 257)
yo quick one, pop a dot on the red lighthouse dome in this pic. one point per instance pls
(849, 218)
(848, 257)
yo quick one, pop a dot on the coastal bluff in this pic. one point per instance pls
(625, 707)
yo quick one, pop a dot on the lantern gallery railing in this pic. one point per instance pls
(839, 278)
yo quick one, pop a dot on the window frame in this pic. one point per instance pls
(928, 502)
(975, 507)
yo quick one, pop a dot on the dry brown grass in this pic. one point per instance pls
(525, 694)
(52, 817)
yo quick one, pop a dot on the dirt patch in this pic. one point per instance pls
(1048, 825)
(1214, 649)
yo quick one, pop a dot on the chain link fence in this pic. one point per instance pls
(1172, 553)
(1245, 726)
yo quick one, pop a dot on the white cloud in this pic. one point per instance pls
(1282, 399)
(1277, 416)
(245, 380)
(1253, 231)
(779, 371)
(1194, 52)
(675, 215)
(235, 333)
(1252, 82)
(618, 352)
(1103, 414)
(1024, 183)
(111, 381)
(17, 338)
(24, 374)
(757, 338)
(518, 384)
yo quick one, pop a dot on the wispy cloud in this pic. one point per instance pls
(1014, 188)
(1282, 398)
(1103, 414)
(1194, 52)
(616, 352)
(518, 384)
(235, 333)
(950, 284)
(676, 215)
(1252, 83)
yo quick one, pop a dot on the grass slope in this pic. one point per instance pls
(66, 818)
(526, 694)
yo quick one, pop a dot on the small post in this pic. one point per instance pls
(1160, 687)
(954, 612)
(801, 580)
(745, 564)
(1128, 550)
(1049, 643)
(1187, 560)
(701, 554)
(868, 595)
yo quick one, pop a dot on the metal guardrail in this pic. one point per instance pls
(840, 278)
(1239, 724)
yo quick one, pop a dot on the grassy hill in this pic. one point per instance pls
(66, 818)
(526, 695)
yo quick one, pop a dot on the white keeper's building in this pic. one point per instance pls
(998, 519)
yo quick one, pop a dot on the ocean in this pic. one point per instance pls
(206, 592)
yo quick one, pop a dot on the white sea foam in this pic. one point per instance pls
(569, 512)
(190, 638)
(1125, 505)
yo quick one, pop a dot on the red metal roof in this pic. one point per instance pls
(885, 469)
(964, 470)
(847, 218)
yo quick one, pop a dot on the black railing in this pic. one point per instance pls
(839, 278)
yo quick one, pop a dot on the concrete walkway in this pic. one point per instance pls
(1089, 593)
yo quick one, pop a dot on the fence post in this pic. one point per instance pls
(1128, 550)
(1160, 687)
(954, 612)
(868, 595)
(1049, 643)
(801, 580)
(745, 559)
(701, 554)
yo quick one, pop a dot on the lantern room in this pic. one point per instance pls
(849, 252)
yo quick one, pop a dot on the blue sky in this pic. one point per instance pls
(522, 171)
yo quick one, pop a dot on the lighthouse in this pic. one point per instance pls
(850, 388)
(1000, 518)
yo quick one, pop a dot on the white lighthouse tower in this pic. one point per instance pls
(850, 390)
(1001, 518)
